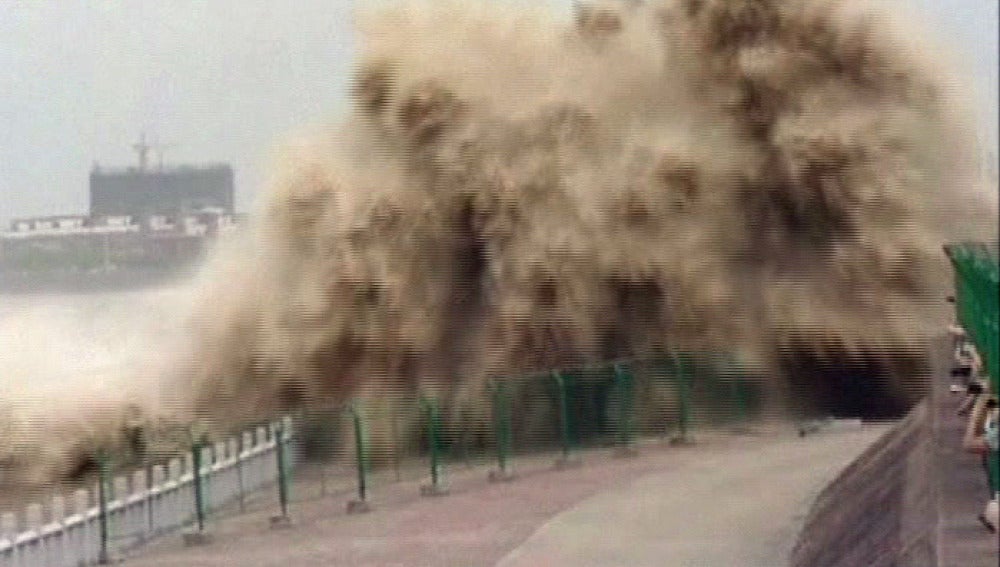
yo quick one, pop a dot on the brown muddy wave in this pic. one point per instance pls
(514, 192)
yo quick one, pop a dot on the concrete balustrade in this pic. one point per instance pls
(221, 452)
(159, 475)
(8, 533)
(141, 505)
(174, 469)
(57, 508)
(33, 516)
(81, 501)
(139, 481)
(119, 488)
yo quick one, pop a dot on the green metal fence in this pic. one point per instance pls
(556, 417)
(977, 288)
(427, 436)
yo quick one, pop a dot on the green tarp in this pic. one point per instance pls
(977, 289)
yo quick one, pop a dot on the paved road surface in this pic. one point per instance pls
(743, 506)
(728, 500)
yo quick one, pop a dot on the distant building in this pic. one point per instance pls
(209, 222)
(140, 219)
(172, 192)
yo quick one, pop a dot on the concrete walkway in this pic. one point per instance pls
(743, 507)
(728, 500)
(961, 481)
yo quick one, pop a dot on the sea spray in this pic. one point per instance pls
(514, 192)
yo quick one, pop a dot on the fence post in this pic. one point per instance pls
(741, 405)
(566, 460)
(280, 440)
(623, 378)
(103, 480)
(150, 526)
(733, 370)
(684, 393)
(199, 493)
(198, 536)
(396, 449)
(502, 429)
(361, 504)
(240, 448)
(435, 488)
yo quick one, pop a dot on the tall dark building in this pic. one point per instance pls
(172, 191)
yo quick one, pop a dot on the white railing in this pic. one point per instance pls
(142, 507)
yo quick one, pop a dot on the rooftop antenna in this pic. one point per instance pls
(160, 148)
(142, 148)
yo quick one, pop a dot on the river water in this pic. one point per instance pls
(71, 363)
(53, 340)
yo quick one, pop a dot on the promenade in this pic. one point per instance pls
(726, 500)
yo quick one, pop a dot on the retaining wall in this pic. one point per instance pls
(881, 509)
(911, 499)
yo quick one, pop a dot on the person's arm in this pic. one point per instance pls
(974, 440)
(967, 404)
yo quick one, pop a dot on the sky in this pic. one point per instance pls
(228, 80)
